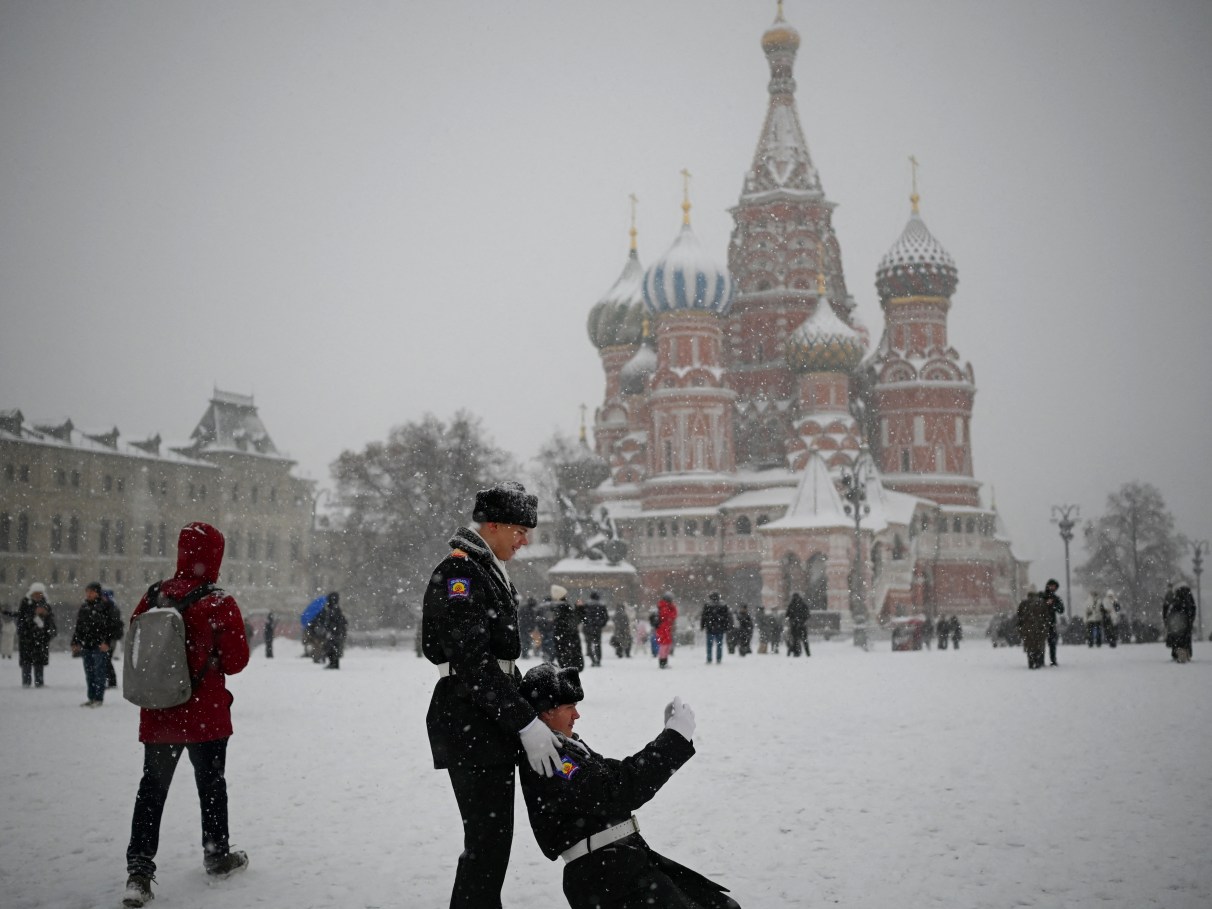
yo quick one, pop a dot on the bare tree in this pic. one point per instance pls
(402, 499)
(1134, 550)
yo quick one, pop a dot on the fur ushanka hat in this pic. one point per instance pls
(506, 503)
(546, 686)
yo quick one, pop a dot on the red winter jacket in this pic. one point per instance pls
(214, 635)
(667, 613)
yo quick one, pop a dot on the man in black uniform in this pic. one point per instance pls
(583, 813)
(1056, 606)
(476, 718)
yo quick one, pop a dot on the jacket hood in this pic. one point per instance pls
(199, 557)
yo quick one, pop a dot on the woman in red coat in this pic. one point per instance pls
(216, 647)
(667, 614)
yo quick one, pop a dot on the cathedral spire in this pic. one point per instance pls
(685, 197)
(915, 198)
(633, 232)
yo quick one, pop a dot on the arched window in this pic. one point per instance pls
(743, 527)
(73, 534)
(56, 534)
(692, 528)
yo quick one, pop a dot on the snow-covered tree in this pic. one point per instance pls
(1133, 549)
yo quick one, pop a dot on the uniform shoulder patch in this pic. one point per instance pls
(568, 767)
(458, 588)
(458, 554)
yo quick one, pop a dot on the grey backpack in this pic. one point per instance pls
(155, 669)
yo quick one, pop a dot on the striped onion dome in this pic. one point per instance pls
(634, 376)
(917, 265)
(824, 343)
(618, 318)
(686, 278)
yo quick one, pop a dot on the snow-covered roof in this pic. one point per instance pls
(816, 503)
(591, 566)
(66, 435)
(769, 497)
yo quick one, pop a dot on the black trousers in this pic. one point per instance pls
(593, 644)
(159, 763)
(1052, 645)
(485, 797)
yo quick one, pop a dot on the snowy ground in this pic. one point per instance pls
(852, 779)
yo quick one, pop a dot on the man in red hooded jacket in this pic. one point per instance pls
(216, 647)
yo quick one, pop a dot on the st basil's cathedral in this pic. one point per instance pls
(747, 415)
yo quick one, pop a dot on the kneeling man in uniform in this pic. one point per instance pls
(583, 814)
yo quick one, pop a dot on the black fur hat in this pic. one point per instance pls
(546, 686)
(506, 503)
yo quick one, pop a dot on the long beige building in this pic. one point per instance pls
(79, 506)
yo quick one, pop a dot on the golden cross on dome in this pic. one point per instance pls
(685, 196)
(915, 198)
(779, 17)
(634, 203)
(583, 409)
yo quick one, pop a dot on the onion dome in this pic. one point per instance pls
(583, 470)
(780, 36)
(634, 376)
(917, 264)
(686, 278)
(618, 317)
(824, 343)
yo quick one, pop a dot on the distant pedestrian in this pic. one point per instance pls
(596, 618)
(744, 630)
(1109, 608)
(776, 630)
(797, 626)
(216, 647)
(957, 632)
(714, 620)
(1179, 619)
(96, 627)
(35, 628)
(564, 630)
(622, 638)
(1056, 607)
(1094, 620)
(944, 632)
(271, 625)
(8, 632)
(927, 631)
(332, 629)
(763, 629)
(1033, 626)
(667, 615)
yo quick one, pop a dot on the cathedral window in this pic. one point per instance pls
(956, 525)
(673, 527)
(763, 519)
(103, 539)
(668, 455)
(905, 461)
(959, 430)
(940, 459)
(919, 430)
(56, 534)
(120, 537)
(692, 528)
(971, 525)
(898, 548)
(651, 528)
(73, 534)
(708, 527)
(743, 527)
(884, 431)
(662, 530)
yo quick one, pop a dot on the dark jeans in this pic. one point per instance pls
(716, 638)
(159, 762)
(1052, 645)
(593, 644)
(36, 669)
(485, 797)
(96, 673)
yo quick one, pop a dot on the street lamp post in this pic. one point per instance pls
(1065, 517)
(854, 491)
(1197, 565)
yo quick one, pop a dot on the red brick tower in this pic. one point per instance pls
(782, 239)
(922, 393)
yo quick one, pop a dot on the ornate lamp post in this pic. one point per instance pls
(1197, 565)
(1065, 517)
(854, 491)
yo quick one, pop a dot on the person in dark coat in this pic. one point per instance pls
(35, 628)
(526, 625)
(957, 632)
(596, 618)
(564, 629)
(271, 625)
(332, 628)
(477, 719)
(928, 631)
(763, 629)
(1056, 607)
(944, 632)
(1033, 627)
(622, 638)
(1179, 618)
(584, 813)
(215, 648)
(776, 629)
(744, 630)
(797, 626)
(97, 627)
(715, 620)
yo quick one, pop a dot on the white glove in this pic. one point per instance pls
(680, 718)
(542, 747)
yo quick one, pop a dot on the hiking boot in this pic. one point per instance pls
(226, 865)
(138, 890)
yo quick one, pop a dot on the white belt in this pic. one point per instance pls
(506, 667)
(598, 840)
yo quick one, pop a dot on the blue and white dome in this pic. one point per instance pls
(686, 278)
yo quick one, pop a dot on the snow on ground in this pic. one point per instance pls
(852, 779)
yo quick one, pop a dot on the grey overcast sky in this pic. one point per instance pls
(363, 211)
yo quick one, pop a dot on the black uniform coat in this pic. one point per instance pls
(33, 640)
(567, 641)
(97, 623)
(593, 793)
(469, 620)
